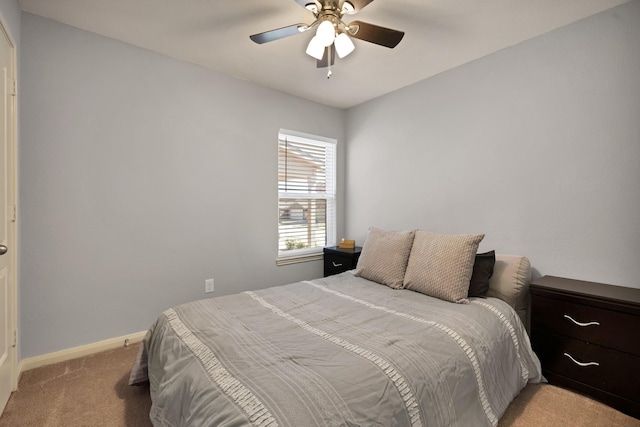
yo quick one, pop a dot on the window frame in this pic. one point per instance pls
(291, 256)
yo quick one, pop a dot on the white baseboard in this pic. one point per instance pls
(75, 352)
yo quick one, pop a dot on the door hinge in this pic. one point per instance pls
(15, 338)
(14, 88)
(14, 213)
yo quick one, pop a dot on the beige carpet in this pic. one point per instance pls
(90, 391)
(546, 405)
(93, 391)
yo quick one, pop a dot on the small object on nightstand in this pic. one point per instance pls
(586, 337)
(347, 244)
(337, 260)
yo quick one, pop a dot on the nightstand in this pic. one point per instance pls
(587, 337)
(338, 260)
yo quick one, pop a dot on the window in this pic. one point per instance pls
(306, 196)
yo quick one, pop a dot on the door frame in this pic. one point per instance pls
(12, 176)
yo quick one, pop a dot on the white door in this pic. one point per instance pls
(8, 301)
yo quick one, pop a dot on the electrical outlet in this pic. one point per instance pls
(208, 286)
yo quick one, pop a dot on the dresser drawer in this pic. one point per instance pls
(334, 264)
(617, 372)
(338, 260)
(614, 329)
(613, 343)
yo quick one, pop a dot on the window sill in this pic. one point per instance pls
(294, 259)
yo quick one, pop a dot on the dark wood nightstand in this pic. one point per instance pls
(587, 336)
(338, 260)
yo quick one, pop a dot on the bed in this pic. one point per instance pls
(345, 350)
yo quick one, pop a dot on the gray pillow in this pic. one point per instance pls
(440, 265)
(384, 256)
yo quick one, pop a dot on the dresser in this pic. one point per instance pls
(338, 260)
(587, 336)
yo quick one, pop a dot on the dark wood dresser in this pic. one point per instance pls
(338, 260)
(587, 336)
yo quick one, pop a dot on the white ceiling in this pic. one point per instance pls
(439, 35)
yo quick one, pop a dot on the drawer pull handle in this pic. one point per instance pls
(581, 363)
(336, 265)
(580, 323)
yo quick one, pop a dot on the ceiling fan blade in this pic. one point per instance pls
(357, 4)
(329, 54)
(376, 34)
(280, 33)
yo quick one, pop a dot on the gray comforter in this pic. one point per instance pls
(339, 351)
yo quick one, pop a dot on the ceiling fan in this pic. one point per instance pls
(333, 34)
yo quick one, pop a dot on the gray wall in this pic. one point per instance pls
(140, 177)
(538, 146)
(10, 10)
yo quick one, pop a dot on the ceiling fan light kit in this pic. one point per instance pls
(326, 33)
(344, 45)
(333, 35)
(316, 48)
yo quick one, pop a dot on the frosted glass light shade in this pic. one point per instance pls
(326, 33)
(344, 45)
(316, 48)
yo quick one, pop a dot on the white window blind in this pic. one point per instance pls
(306, 195)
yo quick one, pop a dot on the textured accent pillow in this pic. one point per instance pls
(384, 256)
(440, 265)
(482, 272)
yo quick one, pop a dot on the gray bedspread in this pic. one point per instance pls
(338, 351)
